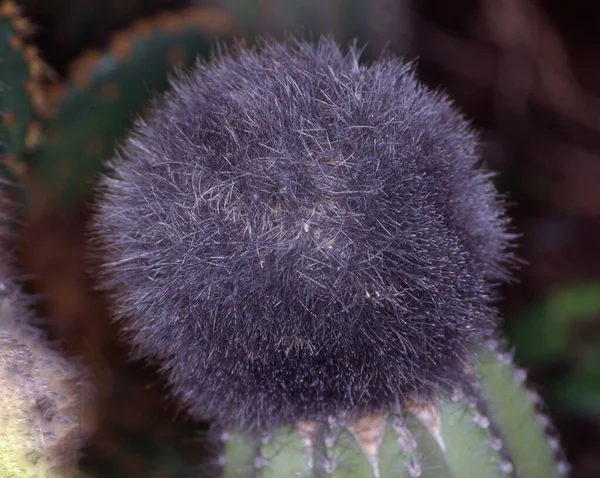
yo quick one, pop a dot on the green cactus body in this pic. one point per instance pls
(75, 23)
(106, 90)
(20, 90)
(498, 432)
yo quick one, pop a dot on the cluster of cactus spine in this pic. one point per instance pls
(47, 137)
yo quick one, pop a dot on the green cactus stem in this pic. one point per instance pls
(106, 90)
(496, 431)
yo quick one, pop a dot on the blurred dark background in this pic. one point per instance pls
(527, 72)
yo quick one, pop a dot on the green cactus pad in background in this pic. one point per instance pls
(107, 90)
(554, 319)
(66, 27)
(498, 433)
(21, 94)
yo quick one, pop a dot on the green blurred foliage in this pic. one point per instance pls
(544, 333)
(562, 331)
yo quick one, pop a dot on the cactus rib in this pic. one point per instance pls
(496, 431)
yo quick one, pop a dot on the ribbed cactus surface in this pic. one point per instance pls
(496, 430)
(40, 399)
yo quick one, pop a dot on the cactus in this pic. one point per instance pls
(241, 226)
(475, 419)
(66, 27)
(44, 122)
(499, 431)
(41, 396)
(105, 91)
(21, 92)
(41, 392)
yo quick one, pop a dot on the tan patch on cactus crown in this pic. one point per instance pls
(368, 432)
(308, 431)
(428, 413)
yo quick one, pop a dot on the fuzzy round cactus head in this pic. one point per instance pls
(292, 235)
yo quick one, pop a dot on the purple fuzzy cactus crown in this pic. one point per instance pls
(293, 234)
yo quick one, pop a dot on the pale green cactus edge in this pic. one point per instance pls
(498, 432)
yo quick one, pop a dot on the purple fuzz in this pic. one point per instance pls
(292, 234)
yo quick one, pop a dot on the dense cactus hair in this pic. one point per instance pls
(294, 235)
